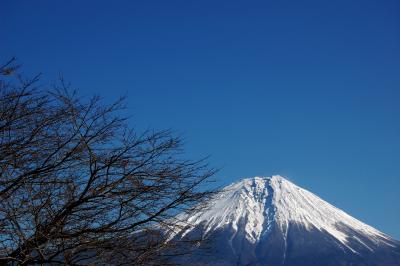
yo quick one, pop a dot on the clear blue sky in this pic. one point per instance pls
(305, 89)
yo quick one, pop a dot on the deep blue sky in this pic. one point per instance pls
(305, 89)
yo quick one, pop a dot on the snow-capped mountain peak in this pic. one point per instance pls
(265, 212)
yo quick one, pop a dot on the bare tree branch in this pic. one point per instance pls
(78, 186)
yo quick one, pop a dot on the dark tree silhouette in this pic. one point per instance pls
(78, 186)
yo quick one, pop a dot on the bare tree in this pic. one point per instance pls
(78, 186)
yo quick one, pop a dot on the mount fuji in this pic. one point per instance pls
(271, 221)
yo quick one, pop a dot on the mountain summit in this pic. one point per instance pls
(271, 221)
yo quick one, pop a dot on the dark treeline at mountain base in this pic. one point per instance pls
(79, 186)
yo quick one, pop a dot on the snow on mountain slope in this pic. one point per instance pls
(258, 215)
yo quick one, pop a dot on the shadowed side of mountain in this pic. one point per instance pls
(299, 246)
